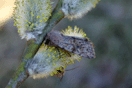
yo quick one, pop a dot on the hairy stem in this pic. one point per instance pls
(32, 47)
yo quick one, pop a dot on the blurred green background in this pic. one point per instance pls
(109, 27)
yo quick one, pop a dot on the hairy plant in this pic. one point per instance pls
(34, 20)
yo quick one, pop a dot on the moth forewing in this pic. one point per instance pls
(78, 45)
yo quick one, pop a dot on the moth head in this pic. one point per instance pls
(60, 73)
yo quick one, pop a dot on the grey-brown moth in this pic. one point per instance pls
(78, 45)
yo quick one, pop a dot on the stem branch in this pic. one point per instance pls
(32, 47)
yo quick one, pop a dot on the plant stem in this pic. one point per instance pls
(21, 73)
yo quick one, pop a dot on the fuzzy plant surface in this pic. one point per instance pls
(30, 17)
(34, 19)
(74, 9)
(50, 59)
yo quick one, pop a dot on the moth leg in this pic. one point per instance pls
(59, 52)
(61, 78)
(69, 54)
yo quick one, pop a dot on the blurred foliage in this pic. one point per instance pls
(108, 26)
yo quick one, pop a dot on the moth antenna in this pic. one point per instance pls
(73, 68)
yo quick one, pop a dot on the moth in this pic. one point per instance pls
(78, 45)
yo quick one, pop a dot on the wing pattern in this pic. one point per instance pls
(78, 45)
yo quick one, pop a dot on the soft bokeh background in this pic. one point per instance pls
(109, 27)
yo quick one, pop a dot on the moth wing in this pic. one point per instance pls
(78, 45)
(83, 47)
